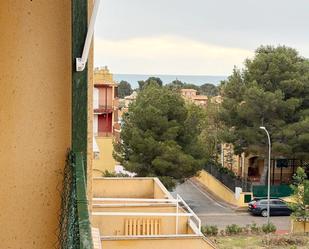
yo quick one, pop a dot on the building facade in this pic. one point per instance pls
(105, 119)
(192, 96)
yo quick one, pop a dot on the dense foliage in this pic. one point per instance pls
(124, 89)
(300, 195)
(273, 91)
(160, 136)
(205, 89)
(150, 81)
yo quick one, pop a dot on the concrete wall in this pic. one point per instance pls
(106, 160)
(220, 190)
(158, 243)
(35, 119)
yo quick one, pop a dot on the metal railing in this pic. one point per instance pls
(182, 210)
(74, 227)
(228, 178)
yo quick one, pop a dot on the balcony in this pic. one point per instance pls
(103, 109)
(136, 212)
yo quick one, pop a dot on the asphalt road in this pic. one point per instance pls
(212, 212)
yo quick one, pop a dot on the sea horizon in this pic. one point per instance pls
(168, 78)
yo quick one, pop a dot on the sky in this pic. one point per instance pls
(194, 37)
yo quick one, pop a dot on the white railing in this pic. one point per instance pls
(197, 219)
(182, 210)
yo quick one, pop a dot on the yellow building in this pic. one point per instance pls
(45, 109)
(38, 110)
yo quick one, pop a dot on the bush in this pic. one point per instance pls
(255, 229)
(233, 229)
(168, 182)
(269, 228)
(210, 230)
(106, 173)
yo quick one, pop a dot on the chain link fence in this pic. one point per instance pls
(74, 225)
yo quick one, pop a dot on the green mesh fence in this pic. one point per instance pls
(75, 231)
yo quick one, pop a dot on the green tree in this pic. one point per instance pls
(150, 81)
(272, 90)
(300, 195)
(159, 136)
(124, 89)
(209, 89)
(178, 85)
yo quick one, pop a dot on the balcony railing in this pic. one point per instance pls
(74, 229)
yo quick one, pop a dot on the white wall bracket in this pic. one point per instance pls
(81, 62)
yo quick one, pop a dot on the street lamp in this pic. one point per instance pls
(268, 187)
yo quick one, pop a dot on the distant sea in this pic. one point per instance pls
(193, 79)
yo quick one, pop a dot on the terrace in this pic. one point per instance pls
(131, 212)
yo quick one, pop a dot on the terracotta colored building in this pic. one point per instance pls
(105, 102)
(191, 95)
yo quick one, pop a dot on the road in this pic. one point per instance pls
(212, 212)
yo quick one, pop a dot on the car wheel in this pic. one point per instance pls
(264, 213)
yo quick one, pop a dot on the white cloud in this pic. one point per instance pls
(167, 55)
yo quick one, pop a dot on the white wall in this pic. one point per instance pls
(95, 125)
(95, 98)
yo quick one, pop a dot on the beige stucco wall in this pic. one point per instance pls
(35, 119)
(106, 160)
(129, 187)
(158, 243)
(220, 190)
(123, 188)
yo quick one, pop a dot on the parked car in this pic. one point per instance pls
(277, 207)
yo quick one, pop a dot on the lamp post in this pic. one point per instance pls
(268, 180)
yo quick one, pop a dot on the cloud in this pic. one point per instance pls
(167, 55)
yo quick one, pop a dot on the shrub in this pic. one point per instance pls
(168, 182)
(233, 229)
(255, 229)
(106, 173)
(210, 230)
(269, 228)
